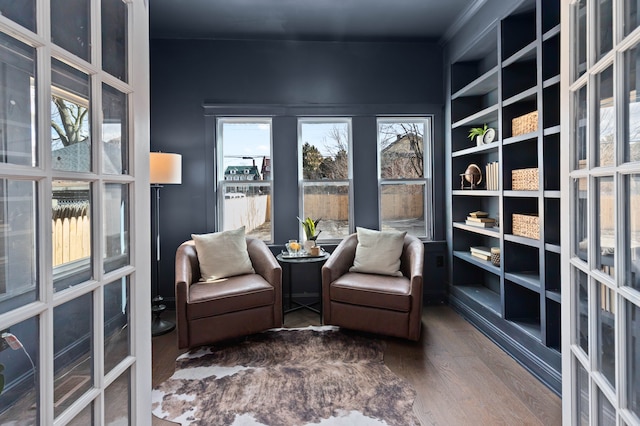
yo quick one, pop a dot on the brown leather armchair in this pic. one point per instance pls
(235, 306)
(374, 303)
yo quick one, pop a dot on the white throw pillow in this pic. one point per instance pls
(222, 254)
(378, 252)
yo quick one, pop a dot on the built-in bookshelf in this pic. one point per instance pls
(511, 70)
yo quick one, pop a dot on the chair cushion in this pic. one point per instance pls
(229, 295)
(376, 291)
(222, 254)
(378, 252)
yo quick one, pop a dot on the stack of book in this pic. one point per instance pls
(491, 176)
(480, 219)
(481, 252)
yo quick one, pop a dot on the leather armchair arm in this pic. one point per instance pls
(187, 272)
(340, 260)
(266, 265)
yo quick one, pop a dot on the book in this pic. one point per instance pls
(481, 256)
(481, 250)
(480, 224)
(479, 213)
(481, 219)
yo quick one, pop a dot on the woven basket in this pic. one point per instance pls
(526, 225)
(524, 124)
(524, 179)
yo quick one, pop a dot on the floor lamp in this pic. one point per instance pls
(164, 169)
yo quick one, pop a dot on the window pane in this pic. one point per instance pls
(117, 401)
(606, 412)
(115, 131)
(632, 246)
(606, 332)
(244, 175)
(17, 102)
(22, 12)
(18, 274)
(73, 351)
(402, 208)
(632, 335)
(582, 309)
(631, 19)
(582, 394)
(84, 417)
(325, 149)
(632, 77)
(116, 323)
(604, 15)
(580, 126)
(116, 226)
(19, 400)
(606, 225)
(401, 149)
(70, 130)
(114, 38)
(606, 120)
(329, 201)
(580, 38)
(581, 211)
(70, 26)
(71, 236)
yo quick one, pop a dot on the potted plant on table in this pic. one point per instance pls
(477, 134)
(309, 225)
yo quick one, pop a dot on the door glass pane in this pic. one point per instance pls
(84, 418)
(606, 412)
(580, 38)
(632, 124)
(606, 312)
(580, 127)
(73, 351)
(115, 131)
(71, 236)
(401, 149)
(402, 208)
(632, 246)
(22, 12)
(582, 394)
(631, 18)
(606, 124)
(114, 38)
(70, 129)
(18, 274)
(329, 201)
(244, 164)
(582, 309)
(604, 16)
(17, 102)
(581, 211)
(116, 323)
(117, 401)
(19, 399)
(70, 26)
(116, 226)
(606, 225)
(632, 336)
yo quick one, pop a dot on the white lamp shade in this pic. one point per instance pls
(165, 168)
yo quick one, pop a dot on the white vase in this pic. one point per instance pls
(480, 140)
(308, 244)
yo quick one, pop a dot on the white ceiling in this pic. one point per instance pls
(330, 20)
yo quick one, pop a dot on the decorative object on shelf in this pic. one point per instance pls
(293, 247)
(495, 256)
(525, 179)
(491, 176)
(309, 225)
(164, 168)
(524, 124)
(478, 133)
(489, 136)
(526, 225)
(472, 175)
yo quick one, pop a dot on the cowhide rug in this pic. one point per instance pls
(315, 375)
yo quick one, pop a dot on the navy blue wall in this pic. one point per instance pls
(359, 79)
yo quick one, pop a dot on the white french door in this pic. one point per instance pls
(75, 340)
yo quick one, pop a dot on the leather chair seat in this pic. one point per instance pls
(229, 295)
(375, 291)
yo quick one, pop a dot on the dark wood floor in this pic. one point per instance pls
(460, 376)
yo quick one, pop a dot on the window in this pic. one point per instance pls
(244, 154)
(324, 147)
(404, 173)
